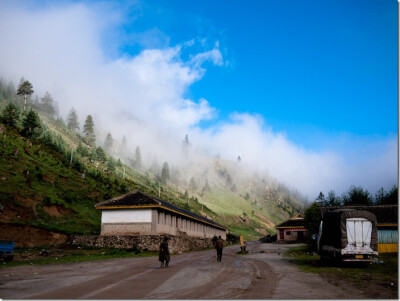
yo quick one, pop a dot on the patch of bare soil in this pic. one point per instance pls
(56, 211)
(265, 219)
(49, 179)
(28, 236)
(261, 230)
(28, 203)
(11, 212)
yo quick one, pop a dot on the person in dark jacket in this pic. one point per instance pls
(163, 255)
(214, 240)
(219, 245)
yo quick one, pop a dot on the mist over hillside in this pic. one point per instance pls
(145, 96)
(53, 175)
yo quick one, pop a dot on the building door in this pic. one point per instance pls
(281, 234)
(300, 236)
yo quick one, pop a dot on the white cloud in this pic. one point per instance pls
(308, 171)
(213, 55)
(60, 50)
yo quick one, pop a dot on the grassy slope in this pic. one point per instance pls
(220, 204)
(52, 181)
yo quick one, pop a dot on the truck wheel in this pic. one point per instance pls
(8, 257)
(325, 260)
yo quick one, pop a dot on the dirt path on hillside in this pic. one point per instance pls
(262, 274)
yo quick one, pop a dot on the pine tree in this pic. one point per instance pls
(356, 196)
(25, 89)
(206, 186)
(82, 150)
(88, 130)
(101, 155)
(10, 92)
(138, 158)
(165, 173)
(119, 163)
(186, 145)
(10, 115)
(30, 123)
(47, 104)
(108, 144)
(7, 91)
(392, 197)
(111, 165)
(155, 167)
(332, 199)
(193, 184)
(72, 120)
(124, 146)
(321, 199)
(36, 103)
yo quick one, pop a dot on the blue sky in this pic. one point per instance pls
(304, 91)
(308, 67)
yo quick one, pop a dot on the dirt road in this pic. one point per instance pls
(262, 274)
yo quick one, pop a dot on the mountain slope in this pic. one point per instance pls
(47, 184)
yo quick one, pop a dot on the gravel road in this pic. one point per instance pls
(262, 274)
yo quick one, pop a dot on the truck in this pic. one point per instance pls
(6, 250)
(348, 235)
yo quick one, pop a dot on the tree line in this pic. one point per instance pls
(16, 115)
(352, 197)
(357, 195)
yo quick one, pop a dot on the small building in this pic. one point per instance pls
(137, 213)
(387, 224)
(292, 230)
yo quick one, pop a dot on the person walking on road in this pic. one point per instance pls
(163, 255)
(214, 240)
(219, 245)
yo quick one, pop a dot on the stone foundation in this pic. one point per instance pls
(177, 244)
(125, 229)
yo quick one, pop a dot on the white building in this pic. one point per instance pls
(137, 213)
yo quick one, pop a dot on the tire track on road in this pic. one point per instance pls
(261, 287)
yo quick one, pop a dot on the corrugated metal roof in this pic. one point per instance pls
(385, 214)
(137, 199)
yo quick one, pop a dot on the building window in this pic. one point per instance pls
(288, 233)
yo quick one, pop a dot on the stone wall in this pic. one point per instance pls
(177, 243)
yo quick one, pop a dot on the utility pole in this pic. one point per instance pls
(70, 161)
(123, 176)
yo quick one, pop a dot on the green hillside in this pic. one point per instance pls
(51, 180)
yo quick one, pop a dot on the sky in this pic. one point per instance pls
(305, 91)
